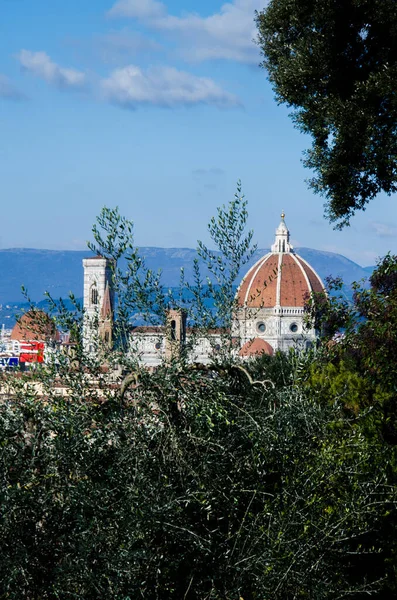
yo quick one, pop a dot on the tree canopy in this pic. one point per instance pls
(192, 486)
(274, 478)
(358, 367)
(335, 63)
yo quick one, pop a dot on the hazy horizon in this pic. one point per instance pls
(159, 108)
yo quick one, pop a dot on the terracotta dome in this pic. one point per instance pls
(280, 278)
(35, 325)
(256, 347)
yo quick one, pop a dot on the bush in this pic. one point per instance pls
(195, 484)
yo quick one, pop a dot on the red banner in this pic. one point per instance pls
(31, 352)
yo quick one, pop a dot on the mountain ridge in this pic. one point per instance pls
(60, 271)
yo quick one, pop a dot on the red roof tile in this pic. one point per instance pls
(293, 281)
(259, 286)
(256, 347)
(35, 325)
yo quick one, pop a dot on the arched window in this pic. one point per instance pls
(173, 330)
(94, 295)
(106, 337)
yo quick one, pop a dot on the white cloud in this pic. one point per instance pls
(138, 9)
(383, 230)
(8, 91)
(41, 65)
(131, 87)
(226, 34)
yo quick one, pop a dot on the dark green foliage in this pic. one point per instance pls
(358, 371)
(335, 63)
(359, 367)
(196, 486)
(369, 341)
(227, 482)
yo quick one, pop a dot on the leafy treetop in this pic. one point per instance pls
(335, 63)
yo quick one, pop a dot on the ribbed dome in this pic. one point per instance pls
(281, 278)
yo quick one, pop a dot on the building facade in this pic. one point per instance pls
(269, 314)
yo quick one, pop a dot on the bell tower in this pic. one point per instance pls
(98, 301)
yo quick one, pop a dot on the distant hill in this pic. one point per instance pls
(335, 265)
(369, 269)
(60, 272)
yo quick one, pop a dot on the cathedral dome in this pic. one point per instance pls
(281, 278)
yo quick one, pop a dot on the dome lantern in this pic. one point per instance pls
(281, 243)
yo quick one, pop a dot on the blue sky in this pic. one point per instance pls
(157, 107)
